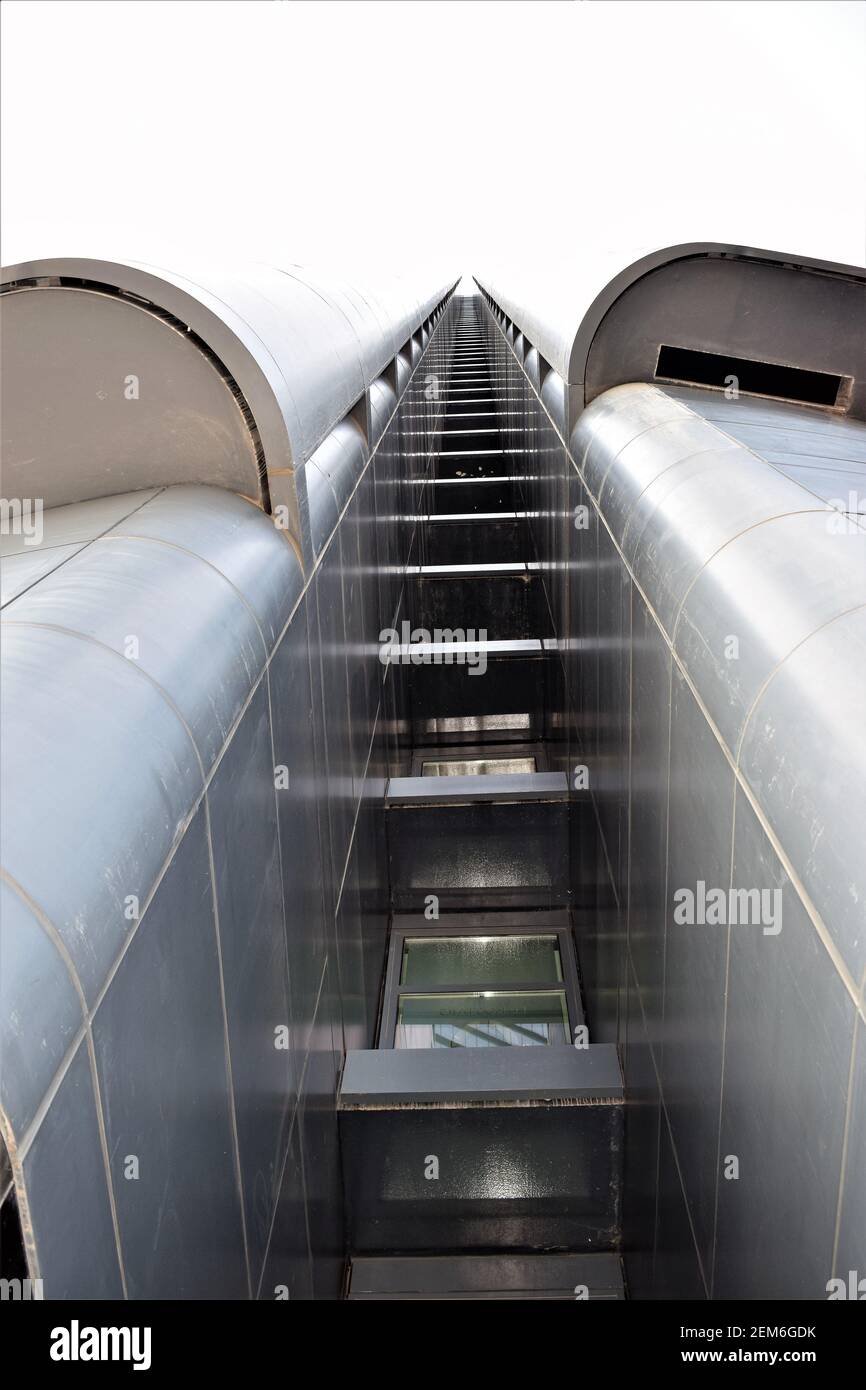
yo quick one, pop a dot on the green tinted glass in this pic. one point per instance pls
(496, 960)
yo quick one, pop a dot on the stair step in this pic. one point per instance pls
(473, 567)
(522, 1138)
(486, 1277)
(396, 1078)
(447, 653)
(501, 605)
(474, 494)
(446, 702)
(489, 787)
(451, 468)
(501, 537)
(478, 846)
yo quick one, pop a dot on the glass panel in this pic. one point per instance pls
(431, 961)
(482, 1020)
(476, 767)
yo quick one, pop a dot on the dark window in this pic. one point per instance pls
(752, 378)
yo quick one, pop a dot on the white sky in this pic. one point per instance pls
(351, 134)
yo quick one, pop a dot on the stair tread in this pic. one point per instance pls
(394, 1078)
(486, 1276)
(486, 786)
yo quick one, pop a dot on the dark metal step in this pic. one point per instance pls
(525, 1142)
(473, 846)
(499, 605)
(551, 1278)
(473, 494)
(460, 541)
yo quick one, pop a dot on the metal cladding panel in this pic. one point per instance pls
(60, 533)
(803, 753)
(289, 679)
(313, 344)
(599, 324)
(76, 524)
(822, 452)
(159, 1041)
(318, 508)
(341, 460)
(320, 1149)
(366, 316)
(40, 1010)
(617, 417)
(796, 424)
(695, 508)
(642, 460)
(650, 749)
(775, 1048)
(700, 817)
(554, 398)
(746, 589)
(288, 1262)
(21, 571)
(242, 805)
(404, 370)
(531, 367)
(852, 1225)
(252, 552)
(204, 653)
(383, 399)
(328, 654)
(73, 714)
(71, 1240)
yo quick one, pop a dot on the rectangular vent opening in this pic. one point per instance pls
(693, 368)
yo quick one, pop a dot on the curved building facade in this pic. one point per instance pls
(433, 725)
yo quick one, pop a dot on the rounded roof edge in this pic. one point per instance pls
(564, 334)
(301, 348)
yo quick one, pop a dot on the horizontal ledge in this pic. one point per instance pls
(473, 516)
(484, 920)
(488, 479)
(499, 568)
(442, 652)
(477, 570)
(485, 786)
(461, 454)
(391, 1078)
(500, 1276)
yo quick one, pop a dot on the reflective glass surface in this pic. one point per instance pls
(483, 1019)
